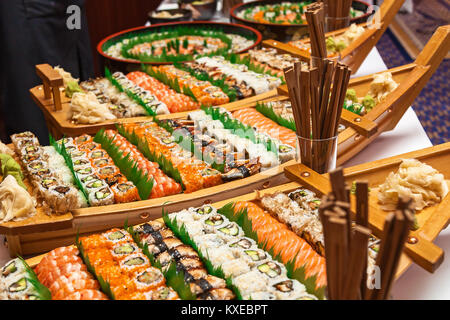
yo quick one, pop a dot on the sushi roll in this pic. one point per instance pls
(84, 171)
(250, 282)
(164, 293)
(272, 269)
(85, 138)
(206, 284)
(243, 244)
(148, 279)
(134, 262)
(288, 289)
(230, 232)
(102, 162)
(125, 192)
(107, 172)
(115, 236)
(94, 185)
(235, 267)
(253, 256)
(213, 222)
(123, 250)
(62, 198)
(101, 197)
(286, 152)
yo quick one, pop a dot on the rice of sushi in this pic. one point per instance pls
(260, 295)
(213, 222)
(235, 267)
(218, 256)
(250, 282)
(287, 289)
(194, 229)
(252, 256)
(208, 242)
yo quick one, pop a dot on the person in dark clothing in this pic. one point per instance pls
(34, 32)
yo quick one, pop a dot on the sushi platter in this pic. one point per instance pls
(284, 20)
(174, 41)
(130, 172)
(230, 249)
(168, 91)
(357, 40)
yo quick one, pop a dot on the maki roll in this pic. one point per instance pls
(164, 293)
(207, 283)
(94, 185)
(107, 172)
(254, 256)
(115, 236)
(82, 139)
(122, 250)
(19, 282)
(125, 192)
(102, 162)
(272, 269)
(134, 262)
(148, 279)
(288, 289)
(101, 197)
(213, 222)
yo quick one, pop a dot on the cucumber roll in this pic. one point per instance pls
(148, 279)
(164, 293)
(123, 250)
(272, 269)
(101, 197)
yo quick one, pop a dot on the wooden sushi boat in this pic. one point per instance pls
(431, 220)
(419, 248)
(358, 50)
(362, 130)
(57, 111)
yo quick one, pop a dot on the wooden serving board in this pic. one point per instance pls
(96, 219)
(39, 222)
(357, 51)
(51, 99)
(432, 220)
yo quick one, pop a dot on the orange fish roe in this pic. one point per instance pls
(194, 173)
(121, 263)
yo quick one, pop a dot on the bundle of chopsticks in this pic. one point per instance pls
(339, 9)
(317, 96)
(346, 244)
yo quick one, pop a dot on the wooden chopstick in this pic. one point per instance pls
(357, 262)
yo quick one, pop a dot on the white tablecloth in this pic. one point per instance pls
(407, 136)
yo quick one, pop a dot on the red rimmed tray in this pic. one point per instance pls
(127, 65)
